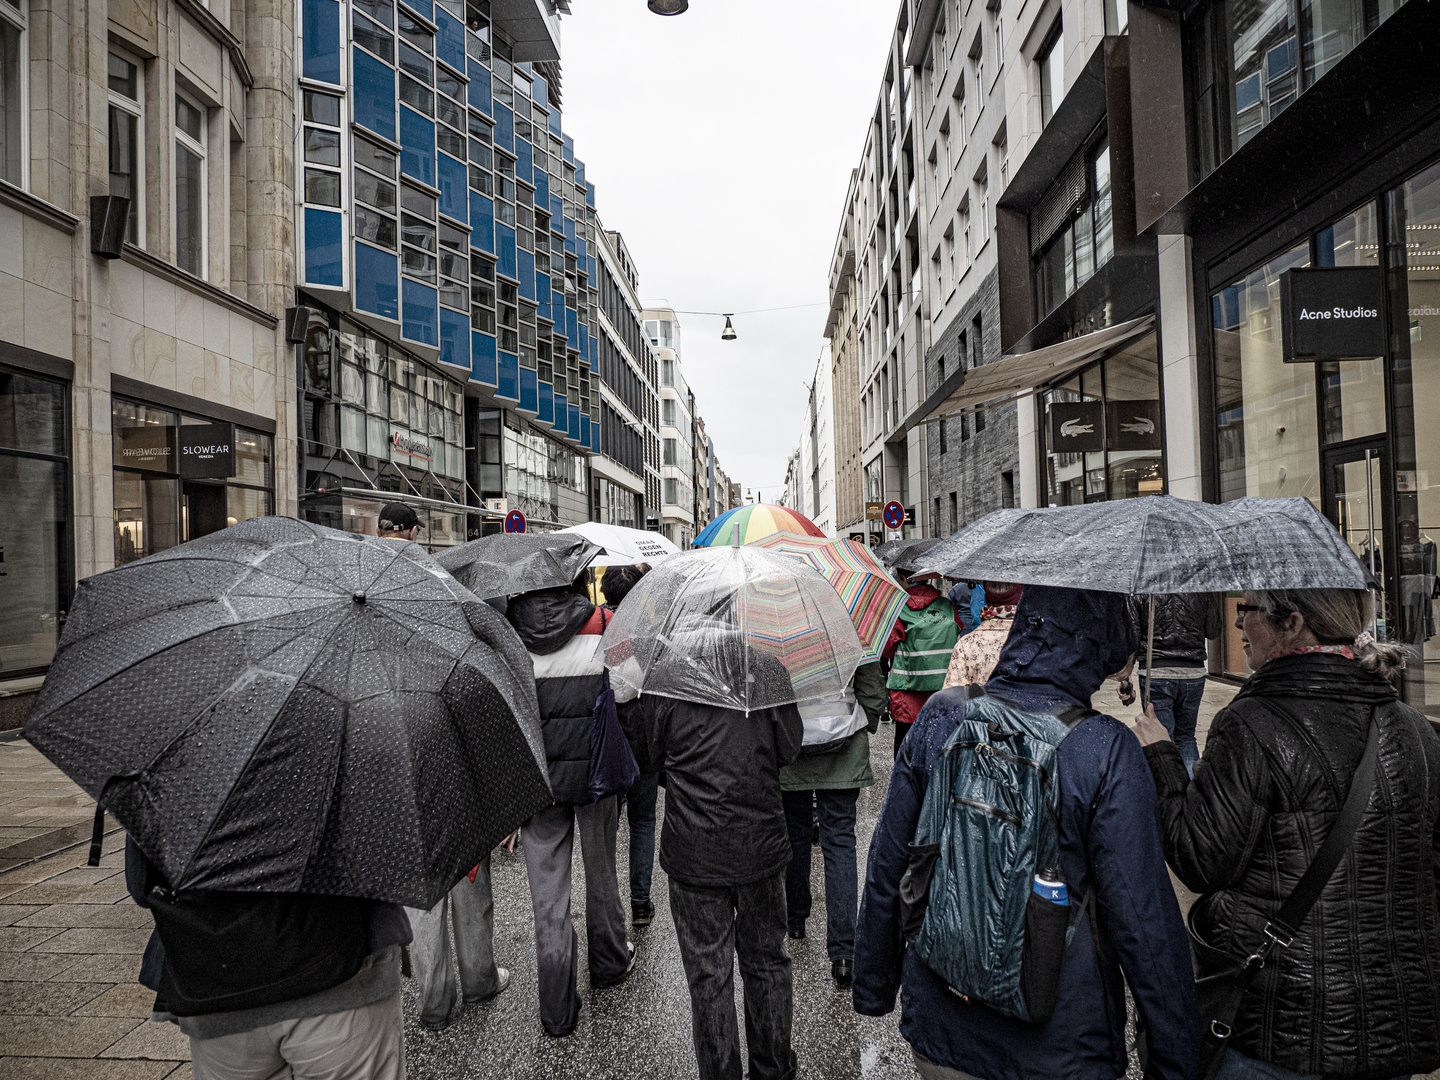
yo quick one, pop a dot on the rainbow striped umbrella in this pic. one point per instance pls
(753, 521)
(872, 596)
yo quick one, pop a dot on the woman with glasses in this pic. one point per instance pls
(1356, 991)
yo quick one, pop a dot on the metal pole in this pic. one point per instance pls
(1149, 653)
(1370, 506)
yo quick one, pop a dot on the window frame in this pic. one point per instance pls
(18, 16)
(136, 108)
(183, 140)
(1044, 60)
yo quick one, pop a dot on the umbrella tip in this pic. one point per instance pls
(358, 597)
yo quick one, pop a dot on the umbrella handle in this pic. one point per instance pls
(1149, 655)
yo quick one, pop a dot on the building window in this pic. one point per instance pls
(954, 511)
(14, 92)
(944, 445)
(936, 525)
(1074, 226)
(1117, 16)
(1007, 490)
(190, 205)
(127, 140)
(1052, 73)
(35, 528)
(982, 198)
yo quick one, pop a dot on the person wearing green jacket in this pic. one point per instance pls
(828, 778)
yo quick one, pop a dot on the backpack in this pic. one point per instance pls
(989, 823)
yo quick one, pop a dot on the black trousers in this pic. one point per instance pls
(713, 925)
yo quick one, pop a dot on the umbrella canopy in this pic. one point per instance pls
(504, 564)
(753, 521)
(736, 627)
(892, 551)
(282, 707)
(1156, 544)
(623, 546)
(872, 596)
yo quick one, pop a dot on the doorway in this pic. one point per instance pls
(203, 507)
(1355, 499)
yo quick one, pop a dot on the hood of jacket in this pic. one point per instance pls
(921, 595)
(547, 618)
(1062, 646)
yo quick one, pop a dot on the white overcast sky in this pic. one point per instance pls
(721, 143)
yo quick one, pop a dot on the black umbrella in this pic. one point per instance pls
(281, 707)
(898, 554)
(508, 563)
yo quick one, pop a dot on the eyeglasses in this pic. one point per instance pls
(1241, 610)
(1245, 609)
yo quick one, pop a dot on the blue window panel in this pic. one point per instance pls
(375, 275)
(542, 190)
(572, 327)
(590, 267)
(569, 226)
(538, 88)
(478, 92)
(567, 148)
(450, 40)
(542, 290)
(482, 222)
(585, 431)
(374, 94)
(455, 338)
(504, 128)
(554, 123)
(546, 411)
(580, 174)
(482, 358)
(525, 271)
(417, 146)
(580, 250)
(454, 188)
(324, 250)
(508, 383)
(529, 391)
(524, 160)
(422, 7)
(505, 251)
(574, 417)
(557, 209)
(561, 423)
(420, 306)
(322, 40)
(590, 196)
(584, 346)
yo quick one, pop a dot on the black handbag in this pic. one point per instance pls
(1221, 980)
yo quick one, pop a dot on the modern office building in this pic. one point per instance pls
(146, 204)
(677, 455)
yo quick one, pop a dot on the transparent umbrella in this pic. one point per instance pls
(737, 627)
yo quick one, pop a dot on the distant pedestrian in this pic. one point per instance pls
(919, 651)
(725, 850)
(1183, 623)
(1354, 990)
(1063, 645)
(397, 522)
(561, 629)
(976, 653)
(829, 780)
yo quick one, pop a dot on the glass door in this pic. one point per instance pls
(1354, 498)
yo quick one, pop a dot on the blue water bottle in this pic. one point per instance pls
(1050, 886)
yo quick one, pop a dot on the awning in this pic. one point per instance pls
(1021, 374)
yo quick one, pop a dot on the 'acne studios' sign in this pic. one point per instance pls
(1332, 313)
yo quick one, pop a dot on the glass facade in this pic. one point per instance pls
(536, 469)
(1074, 229)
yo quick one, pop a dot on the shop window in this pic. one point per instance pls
(1352, 392)
(127, 139)
(35, 575)
(14, 92)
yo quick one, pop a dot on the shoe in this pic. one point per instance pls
(843, 972)
(434, 1027)
(642, 912)
(618, 979)
(502, 983)
(797, 933)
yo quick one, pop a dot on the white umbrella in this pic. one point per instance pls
(624, 546)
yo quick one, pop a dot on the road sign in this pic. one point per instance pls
(894, 515)
(514, 522)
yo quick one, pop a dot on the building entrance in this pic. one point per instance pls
(1352, 480)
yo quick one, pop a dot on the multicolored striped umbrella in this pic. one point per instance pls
(753, 521)
(872, 596)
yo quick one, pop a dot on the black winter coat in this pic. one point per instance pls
(1183, 622)
(1357, 994)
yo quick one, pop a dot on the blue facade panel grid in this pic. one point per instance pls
(542, 290)
(482, 358)
(580, 174)
(526, 272)
(375, 275)
(321, 31)
(561, 423)
(420, 307)
(546, 413)
(504, 128)
(505, 251)
(482, 222)
(585, 431)
(529, 391)
(417, 146)
(590, 267)
(455, 338)
(567, 149)
(524, 161)
(478, 92)
(542, 191)
(374, 94)
(584, 345)
(569, 229)
(324, 248)
(554, 123)
(574, 416)
(450, 40)
(508, 384)
(590, 196)
(453, 187)
(539, 90)
(572, 327)
(557, 209)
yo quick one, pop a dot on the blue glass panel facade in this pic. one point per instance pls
(422, 7)
(538, 90)
(524, 161)
(580, 175)
(420, 313)
(574, 416)
(542, 190)
(529, 391)
(561, 423)
(567, 148)
(504, 128)
(546, 412)
(482, 222)
(584, 345)
(321, 31)
(478, 92)
(374, 94)
(417, 146)
(375, 275)
(590, 196)
(572, 327)
(453, 188)
(590, 267)
(482, 358)
(526, 273)
(324, 248)
(542, 290)
(557, 209)
(555, 122)
(509, 382)
(455, 338)
(585, 431)
(569, 236)
(450, 40)
(505, 251)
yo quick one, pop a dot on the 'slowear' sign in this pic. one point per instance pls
(207, 451)
(1332, 313)
(1077, 427)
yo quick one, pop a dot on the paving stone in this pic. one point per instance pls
(23, 938)
(100, 967)
(184, 1072)
(46, 893)
(120, 916)
(38, 967)
(28, 1068)
(126, 999)
(158, 1042)
(10, 914)
(63, 1036)
(94, 941)
(87, 875)
(44, 869)
(51, 998)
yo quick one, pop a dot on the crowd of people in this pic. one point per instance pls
(1352, 992)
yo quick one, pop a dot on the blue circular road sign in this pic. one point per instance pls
(514, 522)
(894, 515)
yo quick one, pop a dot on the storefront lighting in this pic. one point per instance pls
(669, 7)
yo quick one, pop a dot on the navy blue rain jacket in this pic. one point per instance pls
(1063, 645)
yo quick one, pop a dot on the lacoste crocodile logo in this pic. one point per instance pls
(1073, 428)
(1141, 425)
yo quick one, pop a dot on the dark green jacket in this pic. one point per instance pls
(849, 766)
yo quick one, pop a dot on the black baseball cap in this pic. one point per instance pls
(397, 516)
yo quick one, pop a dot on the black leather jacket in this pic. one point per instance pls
(1357, 994)
(1183, 621)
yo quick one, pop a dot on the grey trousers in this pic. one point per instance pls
(713, 925)
(929, 1070)
(472, 910)
(549, 838)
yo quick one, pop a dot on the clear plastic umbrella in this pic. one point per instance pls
(737, 627)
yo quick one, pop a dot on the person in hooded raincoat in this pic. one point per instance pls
(919, 650)
(1063, 645)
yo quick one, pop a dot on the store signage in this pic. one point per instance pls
(404, 445)
(874, 511)
(1332, 313)
(207, 451)
(498, 506)
(1132, 425)
(856, 538)
(146, 446)
(1077, 427)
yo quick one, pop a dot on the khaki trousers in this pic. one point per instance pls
(367, 1043)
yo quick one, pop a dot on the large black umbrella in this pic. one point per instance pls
(504, 564)
(282, 707)
(897, 554)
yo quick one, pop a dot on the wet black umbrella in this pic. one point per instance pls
(898, 554)
(508, 563)
(282, 707)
